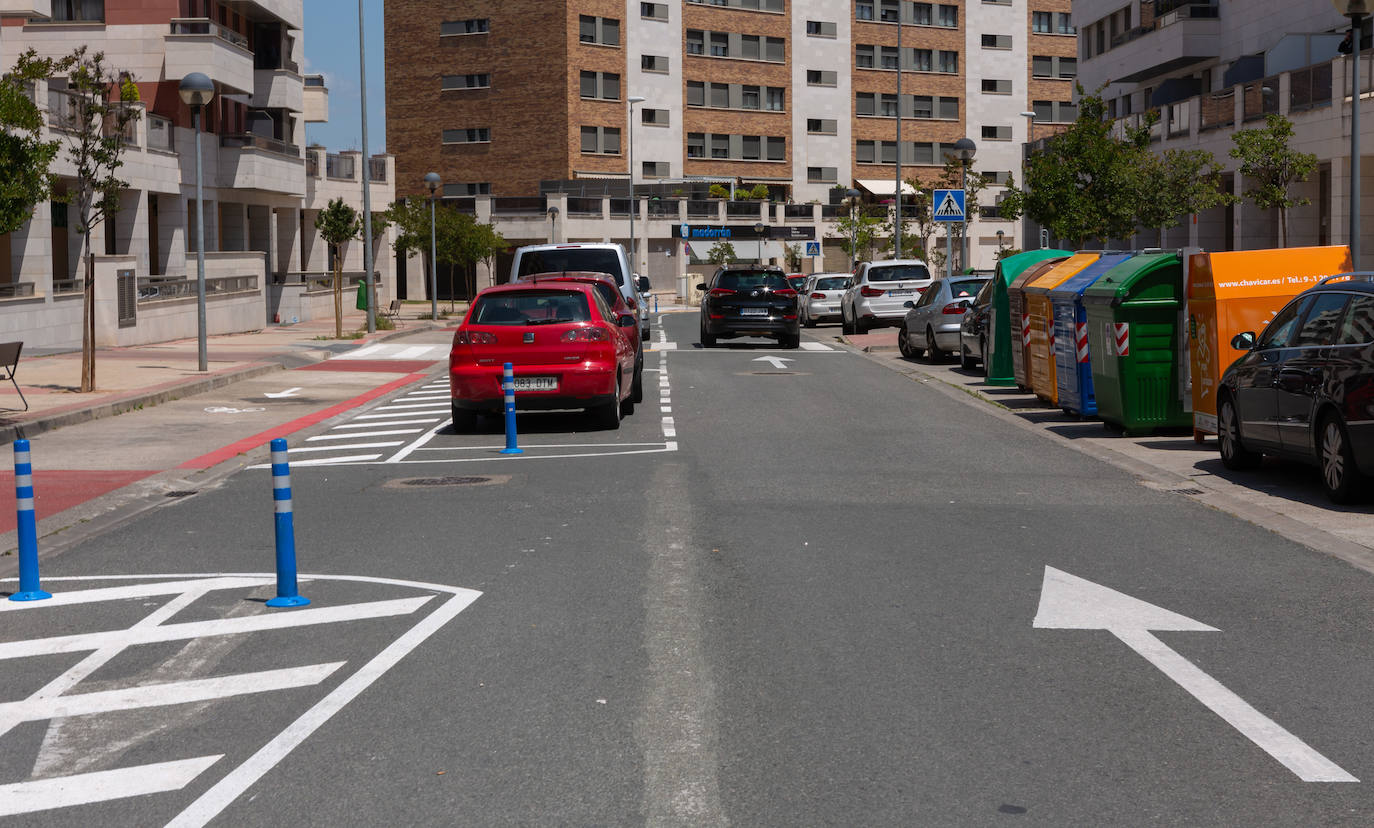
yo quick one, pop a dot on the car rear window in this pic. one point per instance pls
(591, 259)
(895, 273)
(531, 307)
(966, 288)
(748, 280)
(834, 283)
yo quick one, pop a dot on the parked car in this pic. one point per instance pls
(820, 297)
(749, 300)
(597, 257)
(606, 286)
(1305, 388)
(568, 348)
(975, 331)
(646, 299)
(931, 326)
(879, 293)
(796, 280)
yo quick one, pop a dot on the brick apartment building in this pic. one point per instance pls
(530, 98)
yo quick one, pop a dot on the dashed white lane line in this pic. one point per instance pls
(355, 435)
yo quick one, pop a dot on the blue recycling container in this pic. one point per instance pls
(1073, 368)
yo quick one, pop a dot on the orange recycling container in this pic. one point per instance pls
(1020, 322)
(1229, 293)
(1040, 313)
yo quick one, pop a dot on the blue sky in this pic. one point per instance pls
(331, 49)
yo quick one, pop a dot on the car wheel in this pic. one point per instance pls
(708, 340)
(860, 325)
(966, 360)
(807, 320)
(790, 341)
(644, 335)
(904, 344)
(608, 416)
(637, 385)
(932, 350)
(983, 353)
(464, 420)
(1234, 454)
(1340, 476)
(846, 327)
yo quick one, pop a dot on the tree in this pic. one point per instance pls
(490, 243)
(865, 229)
(475, 243)
(1271, 166)
(25, 158)
(792, 256)
(338, 224)
(1176, 184)
(93, 114)
(722, 252)
(760, 192)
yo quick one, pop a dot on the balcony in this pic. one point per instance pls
(197, 44)
(278, 89)
(315, 103)
(1185, 35)
(286, 11)
(253, 162)
(25, 8)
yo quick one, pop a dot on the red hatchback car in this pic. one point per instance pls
(568, 349)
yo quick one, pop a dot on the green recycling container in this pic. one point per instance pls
(361, 302)
(1135, 326)
(999, 369)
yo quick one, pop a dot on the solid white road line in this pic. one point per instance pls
(158, 695)
(356, 434)
(350, 446)
(215, 800)
(91, 596)
(431, 405)
(418, 442)
(390, 416)
(386, 424)
(325, 461)
(82, 642)
(537, 446)
(815, 346)
(101, 786)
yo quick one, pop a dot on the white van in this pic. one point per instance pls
(596, 257)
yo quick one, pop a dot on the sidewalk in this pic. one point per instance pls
(128, 379)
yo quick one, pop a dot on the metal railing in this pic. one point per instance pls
(703, 208)
(203, 26)
(65, 286)
(340, 166)
(159, 290)
(61, 108)
(312, 164)
(661, 208)
(316, 281)
(160, 133)
(834, 211)
(376, 169)
(742, 209)
(314, 80)
(578, 206)
(797, 211)
(16, 290)
(620, 207)
(518, 205)
(247, 139)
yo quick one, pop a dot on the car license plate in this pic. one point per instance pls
(901, 293)
(536, 383)
(753, 311)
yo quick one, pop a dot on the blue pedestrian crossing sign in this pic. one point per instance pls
(949, 205)
(813, 248)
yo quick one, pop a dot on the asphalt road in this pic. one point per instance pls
(808, 598)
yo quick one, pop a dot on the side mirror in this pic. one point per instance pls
(642, 283)
(1243, 341)
(702, 286)
(626, 320)
(910, 304)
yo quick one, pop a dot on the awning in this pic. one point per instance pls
(1242, 70)
(879, 186)
(1174, 90)
(600, 176)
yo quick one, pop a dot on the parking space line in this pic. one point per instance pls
(87, 596)
(536, 446)
(101, 786)
(391, 416)
(396, 406)
(356, 434)
(350, 446)
(325, 461)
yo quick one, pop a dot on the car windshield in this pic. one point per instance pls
(796, 282)
(748, 280)
(559, 260)
(894, 273)
(966, 288)
(531, 307)
(833, 283)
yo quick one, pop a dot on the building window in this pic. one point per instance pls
(696, 145)
(600, 140)
(994, 41)
(996, 133)
(863, 56)
(696, 93)
(777, 149)
(480, 135)
(653, 11)
(751, 147)
(822, 175)
(696, 42)
(1042, 22)
(865, 103)
(750, 98)
(751, 5)
(604, 31)
(774, 49)
(654, 63)
(600, 85)
(948, 17)
(887, 57)
(822, 126)
(476, 25)
(996, 87)
(821, 77)
(775, 99)
(720, 146)
(1056, 112)
(720, 95)
(460, 190)
(922, 14)
(949, 109)
(949, 62)
(888, 10)
(887, 106)
(820, 28)
(655, 169)
(480, 81)
(1065, 25)
(654, 117)
(922, 60)
(720, 44)
(1044, 66)
(922, 106)
(863, 152)
(863, 10)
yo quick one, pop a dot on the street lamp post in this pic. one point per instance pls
(432, 182)
(1356, 10)
(851, 194)
(553, 224)
(367, 193)
(964, 150)
(634, 205)
(1025, 185)
(197, 90)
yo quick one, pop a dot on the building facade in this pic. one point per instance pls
(510, 99)
(262, 186)
(1213, 67)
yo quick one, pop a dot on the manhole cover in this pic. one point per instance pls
(448, 480)
(182, 493)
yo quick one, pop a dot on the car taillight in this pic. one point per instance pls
(871, 291)
(474, 338)
(721, 291)
(921, 290)
(822, 295)
(953, 307)
(785, 292)
(585, 335)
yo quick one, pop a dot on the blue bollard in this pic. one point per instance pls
(286, 530)
(508, 386)
(656, 297)
(28, 527)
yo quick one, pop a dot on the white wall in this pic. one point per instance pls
(821, 102)
(655, 37)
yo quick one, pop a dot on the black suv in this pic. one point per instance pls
(1305, 389)
(749, 300)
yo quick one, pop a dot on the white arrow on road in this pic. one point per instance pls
(290, 392)
(777, 362)
(1068, 602)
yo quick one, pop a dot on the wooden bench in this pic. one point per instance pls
(393, 312)
(9, 361)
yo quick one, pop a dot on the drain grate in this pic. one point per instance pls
(445, 481)
(1187, 490)
(182, 493)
